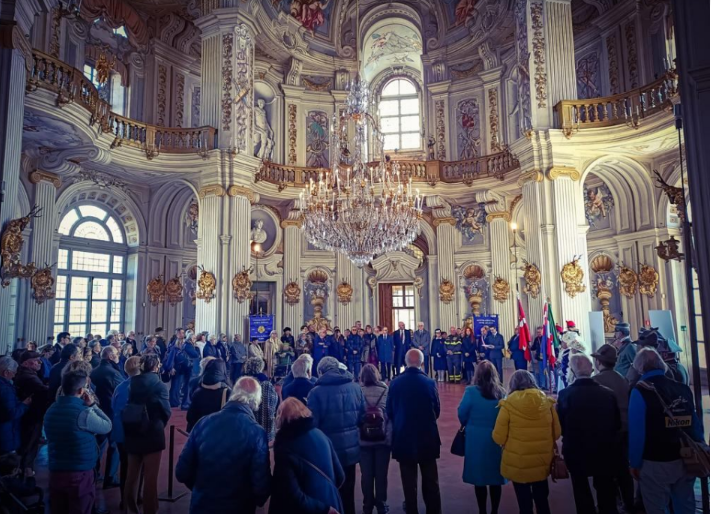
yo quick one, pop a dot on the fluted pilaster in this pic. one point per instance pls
(499, 235)
(445, 271)
(239, 215)
(209, 256)
(346, 314)
(533, 198)
(560, 49)
(293, 313)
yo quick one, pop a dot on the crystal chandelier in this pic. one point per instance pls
(358, 208)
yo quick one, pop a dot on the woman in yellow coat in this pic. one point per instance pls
(526, 427)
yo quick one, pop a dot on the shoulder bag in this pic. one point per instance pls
(695, 455)
(459, 442)
(134, 417)
(559, 470)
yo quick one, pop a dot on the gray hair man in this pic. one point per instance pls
(301, 385)
(421, 340)
(11, 404)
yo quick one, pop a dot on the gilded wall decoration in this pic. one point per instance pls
(523, 81)
(459, 72)
(345, 292)
(292, 293)
(468, 129)
(292, 134)
(632, 65)
(674, 194)
(572, 275)
(174, 290)
(179, 104)
(42, 284)
(470, 221)
(613, 64)
(317, 139)
(11, 243)
(446, 291)
(195, 108)
(501, 289)
(206, 285)
(192, 216)
(587, 74)
(532, 279)
(648, 280)
(627, 280)
(539, 53)
(494, 120)
(242, 286)
(440, 130)
(156, 290)
(311, 13)
(54, 32)
(603, 285)
(598, 205)
(103, 66)
(162, 96)
(320, 84)
(227, 43)
(243, 81)
(317, 288)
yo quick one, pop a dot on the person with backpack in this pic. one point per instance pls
(375, 439)
(174, 367)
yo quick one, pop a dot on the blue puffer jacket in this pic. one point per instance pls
(226, 478)
(11, 411)
(338, 408)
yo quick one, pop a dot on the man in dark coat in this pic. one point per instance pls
(29, 385)
(590, 423)
(338, 407)
(160, 340)
(495, 347)
(11, 408)
(402, 341)
(301, 385)
(62, 341)
(244, 477)
(413, 406)
(105, 378)
(70, 353)
(518, 356)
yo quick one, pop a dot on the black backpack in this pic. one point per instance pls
(372, 429)
(134, 417)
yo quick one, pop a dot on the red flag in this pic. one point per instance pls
(524, 335)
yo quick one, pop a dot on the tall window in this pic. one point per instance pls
(399, 112)
(403, 306)
(91, 281)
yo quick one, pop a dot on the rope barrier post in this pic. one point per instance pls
(171, 465)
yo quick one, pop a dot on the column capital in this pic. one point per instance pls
(530, 176)
(212, 190)
(445, 220)
(38, 176)
(563, 171)
(225, 239)
(298, 223)
(11, 37)
(236, 190)
(502, 215)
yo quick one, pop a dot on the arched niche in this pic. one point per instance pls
(168, 208)
(274, 107)
(265, 219)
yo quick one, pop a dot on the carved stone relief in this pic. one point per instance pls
(292, 134)
(613, 64)
(227, 42)
(631, 39)
(162, 97)
(440, 130)
(494, 120)
(195, 108)
(539, 53)
(179, 104)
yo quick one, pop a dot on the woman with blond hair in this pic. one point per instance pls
(307, 472)
(271, 347)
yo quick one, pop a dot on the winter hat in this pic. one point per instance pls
(607, 355)
(624, 328)
(649, 338)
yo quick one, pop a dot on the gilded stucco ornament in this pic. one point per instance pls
(627, 279)
(532, 278)
(206, 285)
(156, 290)
(292, 293)
(42, 284)
(501, 289)
(174, 290)
(11, 243)
(242, 286)
(345, 292)
(572, 275)
(648, 280)
(446, 291)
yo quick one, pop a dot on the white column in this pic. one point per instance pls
(445, 270)
(39, 316)
(499, 236)
(533, 198)
(293, 313)
(209, 249)
(239, 256)
(560, 52)
(345, 312)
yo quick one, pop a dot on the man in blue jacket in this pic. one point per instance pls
(385, 353)
(11, 408)
(495, 346)
(413, 407)
(234, 477)
(354, 344)
(402, 340)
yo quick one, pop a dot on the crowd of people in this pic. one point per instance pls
(326, 402)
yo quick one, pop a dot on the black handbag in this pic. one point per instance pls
(459, 442)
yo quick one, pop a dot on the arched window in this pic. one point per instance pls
(399, 111)
(91, 279)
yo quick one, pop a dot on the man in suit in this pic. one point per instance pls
(495, 346)
(384, 345)
(63, 339)
(421, 340)
(413, 407)
(402, 340)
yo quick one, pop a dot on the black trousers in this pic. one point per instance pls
(386, 370)
(430, 486)
(605, 489)
(534, 492)
(347, 490)
(623, 479)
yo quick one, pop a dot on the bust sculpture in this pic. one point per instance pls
(263, 133)
(258, 234)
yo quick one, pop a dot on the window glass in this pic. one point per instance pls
(392, 89)
(80, 287)
(99, 311)
(88, 261)
(120, 31)
(77, 311)
(93, 211)
(116, 293)
(399, 112)
(92, 230)
(63, 259)
(68, 222)
(115, 230)
(118, 264)
(61, 289)
(100, 289)
(59, 306)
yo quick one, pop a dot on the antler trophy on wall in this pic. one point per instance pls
(11, 243)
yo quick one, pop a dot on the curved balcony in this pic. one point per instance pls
(71, 86)
(628, 108)
(430, 172)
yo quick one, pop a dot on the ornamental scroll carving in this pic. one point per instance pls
(243, 81)
(292, 293)
(627, 280)
(613, 65)
(162, 97)
(532, 279)
(179, 99)
(345, 292)
(494, 120)
(42, 284)
(292, 134)
(156, 290)
(206, 285)
(440, 130)
(648, 280)
(227, 42)
(446, 291)
(174, 290)
(572, 275)
(632, 66)
(539, 53)
(11, 243)
(501, 289)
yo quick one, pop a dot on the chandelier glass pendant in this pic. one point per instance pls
(358, 208)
